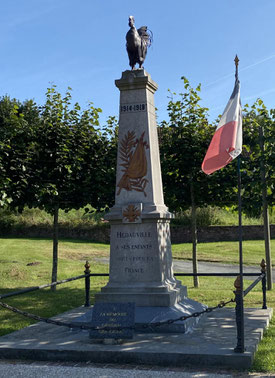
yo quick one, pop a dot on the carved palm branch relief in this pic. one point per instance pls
(133, 162)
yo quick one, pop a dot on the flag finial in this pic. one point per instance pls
(236, 60)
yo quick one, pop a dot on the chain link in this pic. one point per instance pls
(86, 327)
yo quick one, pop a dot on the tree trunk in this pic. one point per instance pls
(265, 214)
(55, 246)
(194, 235)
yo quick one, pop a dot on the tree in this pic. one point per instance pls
(15, 151)
(66, 160)
(55, 157)
(258, 181)
(258, 125)
(108, 162)
(183, 142)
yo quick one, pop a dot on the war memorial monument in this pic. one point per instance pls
(141, 269)
(142, 294)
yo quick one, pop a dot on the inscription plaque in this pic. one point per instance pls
(114, 316)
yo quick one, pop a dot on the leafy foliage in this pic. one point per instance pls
(55, 157)
(64, 138)
(259, 128)
(55, 154)
(15, 145)
(183, 143)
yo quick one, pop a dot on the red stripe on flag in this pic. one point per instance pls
(223, 142)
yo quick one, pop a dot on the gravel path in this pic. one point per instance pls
(181, 266)
(61, 370)
(15, 369)
(205, 267)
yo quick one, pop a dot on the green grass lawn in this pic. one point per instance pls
(15, 273)
(224, 252)
(15, 254)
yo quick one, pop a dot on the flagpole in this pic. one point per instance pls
(223, 148)
(240, 345)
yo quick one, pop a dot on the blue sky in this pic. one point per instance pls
(81, 44)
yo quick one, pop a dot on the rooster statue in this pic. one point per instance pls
(138, 40)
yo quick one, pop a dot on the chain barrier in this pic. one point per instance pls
(86, 327)
(238, 309)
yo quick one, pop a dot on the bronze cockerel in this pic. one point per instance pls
(138, 40)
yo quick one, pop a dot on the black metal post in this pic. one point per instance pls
(265, 209)
(87, 284)
(263, 270)
(239, 316)
(240, 347)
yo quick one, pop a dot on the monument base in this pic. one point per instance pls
(141, 264)
(154, 296)
(144, 316)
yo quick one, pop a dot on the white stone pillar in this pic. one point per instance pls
(140, 256)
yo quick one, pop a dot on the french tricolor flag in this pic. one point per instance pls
(226, 143)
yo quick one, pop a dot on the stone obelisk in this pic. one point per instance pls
(140, 259)
(140, 256)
